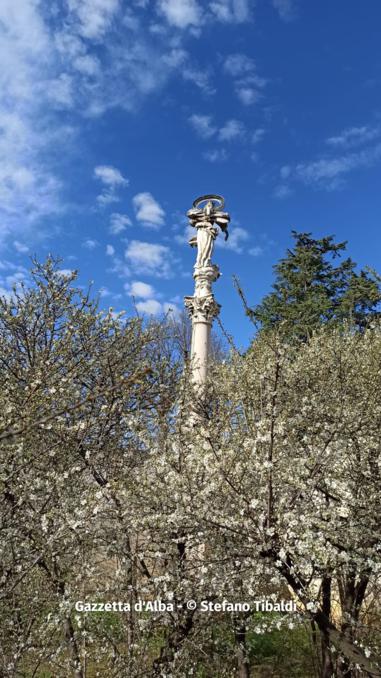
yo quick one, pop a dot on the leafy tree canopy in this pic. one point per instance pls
(310, 290)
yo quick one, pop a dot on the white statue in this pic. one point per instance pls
(204, 220)
(206, 235)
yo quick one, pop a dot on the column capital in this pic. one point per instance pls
(202, 309)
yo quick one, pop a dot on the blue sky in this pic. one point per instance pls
(115, 115)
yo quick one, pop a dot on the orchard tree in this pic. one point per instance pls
(89, 406)
(78, 389)
(280, 483)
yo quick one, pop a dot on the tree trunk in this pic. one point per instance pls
(243, 664)
(176, 636)
(327, 670)
(352, 593)
(73, 648)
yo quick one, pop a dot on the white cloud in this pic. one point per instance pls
(181, 13)
(147, 301)
(215, 155)
(110, 176)
(154, 307)
(107, 197)
(236, 11)
(139, 289)
(285, 171)
(285, 8)
(59, 91)
(248, 84)
(118, 223)
(104, 292)
(282, 191)
(248, 95)
(256, 251)
(120, 268)
(232, 129)
(149, 306)
(90, 244)
(149, 258)
(87, 65)
(328, 172)
(14, 279)
(110, 250)
(64, 272)
(354, 136)
(206, 129)
(95, 16)
(73, 56)
(203, 125)
(20, 247)
(184, 237)
(112, 179)
(7, 294)
(147, 210)
(237, 236)
(200, 78)
(239, 64)
(257, 135)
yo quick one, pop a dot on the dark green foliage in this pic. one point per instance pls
(310, 289)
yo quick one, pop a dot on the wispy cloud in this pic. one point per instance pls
(232, 129)
(354, 136)
(147, 210)
(90, 244)
(29, 185)
(10, 275)
(203, 125)
(330, 170)
(256, 251)
(191, 14)
(20, 247)
(119, 223)
(257, 135)
(72, 59)
(216, 155)
(237, 237)
(232, 11)
(282, 191)
(181, 13)
(94, 19)
(285, 8)
(247, 83)
(112, 179)
(206, 128)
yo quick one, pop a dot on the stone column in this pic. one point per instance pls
(202, 309)
(202, 306)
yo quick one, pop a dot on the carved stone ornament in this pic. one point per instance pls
(202, 309)
(204, 277)
(205, 214)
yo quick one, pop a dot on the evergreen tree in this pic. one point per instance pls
(309, 290)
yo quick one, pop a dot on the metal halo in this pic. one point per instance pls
(204, 198)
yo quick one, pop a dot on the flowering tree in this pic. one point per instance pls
(77, 387)
(289, 477)
(118, 482)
